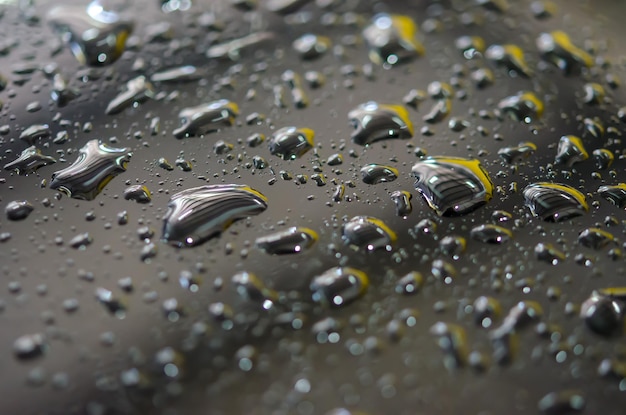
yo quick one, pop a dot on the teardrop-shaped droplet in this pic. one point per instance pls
(294, 240)
(557, 48)
(491, 234)
(524, 106)
(290, 143)
(373, 122)
(137, 90)
(208, 117)
(197, 214)
(595, 238)
(97, 37)
(29, 161)
(368, 233)
(339, 286)
(391, 39)
(519, 153)
(615, 194)
(452, 186)
(96, 165)
(554, 202)
(570, 151)
(378, 173)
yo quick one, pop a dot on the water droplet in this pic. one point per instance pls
(378, 173)
(368, 233)
(511, 57)
(486, 311)
(570, 151)
(339, 286)
(615, 194)
(410, 283)
(138, 193)
(603, 158)
(565, 402)
(402, 200)
(29, 346)
(137, 90)
(232, 48)
(97, 37)
(557, 48)
(391, 39)
(18, 209)
(290, 143)
(603, 314)
(205, 118)
(439, 111)
(184, 73)
(594, 93)
(470, 46)
(35, 132)
(554, 202)
(294, 240)
(251, 287)
(452, 341)
(197, 214)
(443, 271)
(81, 241)
(373, 122)
(491, 234)
(452, 186)
(593, 127)
(513, 155)
(96, 165)
(549, 253)
(30, 160)
(595, 238)
(111, 303)
(311, 46)
(524, 106)
(453, 246)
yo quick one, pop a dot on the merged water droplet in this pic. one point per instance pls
(452, 186)
(616, 194)
(97, 37)
(524, 106)
(339, 286)
(554, 202)
(570, 151)
(368, 233)
(137, 90)
(197, 214)
(96, 166)
(290, 143)
(29, 161)
(378, 173)
(557, 48)
(373, 121)
(205, 118)
(294, 240)
(392, 39)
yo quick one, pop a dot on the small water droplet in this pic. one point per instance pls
(368, 233)
(294, 240)
(378, 173)
(339, 286)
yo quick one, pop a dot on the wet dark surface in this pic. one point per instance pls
(448, 314)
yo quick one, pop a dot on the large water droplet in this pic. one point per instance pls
(368, 233)
(290, 143)
(391, 39)
(554, 202)
(291, 241)
(452, 186)
(197, 214)
(208, 117)
(97, 37)
(96, 165)
(339, 286)
(373, 121)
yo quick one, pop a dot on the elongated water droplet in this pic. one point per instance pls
(392, 39)
(18, 209)
(137, 90)
(97, 37)
(373, 121)
(29, 161)
(514, 155)
(562, 402)
(378, 173)
(35, 132)
(96, 165)
(197, 214)
(554, 202)
(232, 48)
(452, 186)
(368, 233)
(557, 48)
(616, 194)
(294, 240)
(205, 118)
(339, 286)
(184, 73)
(452, 341)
